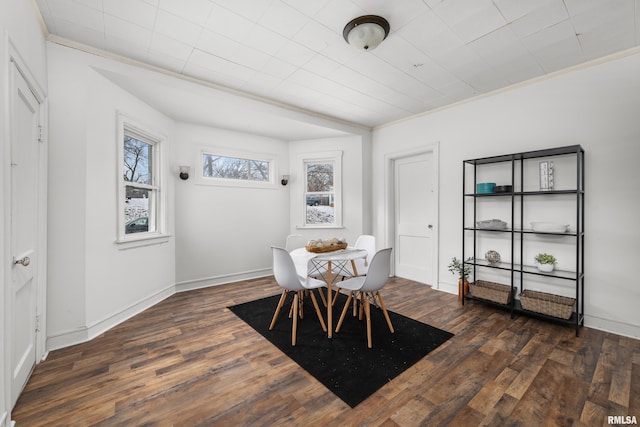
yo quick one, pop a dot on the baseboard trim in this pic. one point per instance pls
(67, 339)
(447, 287)
(612, 326)
(87, 333)
(190, 285)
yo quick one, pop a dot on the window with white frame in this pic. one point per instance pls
(223, 167)
(322, 191)
(139, 201)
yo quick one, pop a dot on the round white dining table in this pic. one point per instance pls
(328, 266)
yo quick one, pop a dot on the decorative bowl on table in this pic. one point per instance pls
(326, 245)
(549, 227)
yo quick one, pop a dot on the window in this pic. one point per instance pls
(322, 191)
(234, 168)
(221, 167)
(139, 201)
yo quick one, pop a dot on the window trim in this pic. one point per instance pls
(329, 156)
(129, 126)
(239, 154)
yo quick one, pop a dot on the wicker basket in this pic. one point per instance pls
(326, 248)
(549, 304)
(491, 291)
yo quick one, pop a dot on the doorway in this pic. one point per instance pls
(27, 225)
(414, 215)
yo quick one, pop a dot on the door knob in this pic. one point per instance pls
(430, 226)
(22, 261)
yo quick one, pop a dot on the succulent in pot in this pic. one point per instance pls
(546, 262)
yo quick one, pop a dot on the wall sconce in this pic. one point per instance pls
(284, 180)
(184, 172)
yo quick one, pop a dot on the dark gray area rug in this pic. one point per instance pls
(343, 363)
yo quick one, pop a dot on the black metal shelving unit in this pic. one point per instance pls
(518, 236)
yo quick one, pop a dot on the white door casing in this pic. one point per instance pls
(414, 214)
(25, 229)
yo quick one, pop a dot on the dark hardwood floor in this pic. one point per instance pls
(189, 361)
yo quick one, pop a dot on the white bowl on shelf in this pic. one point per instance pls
(549, 227)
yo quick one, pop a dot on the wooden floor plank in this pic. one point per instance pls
(189, 361)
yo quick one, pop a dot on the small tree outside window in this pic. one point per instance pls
(231, 168)
(214, 166)
(139, 195)
(322, 190)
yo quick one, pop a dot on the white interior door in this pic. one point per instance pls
(24, 231)
(415, 204)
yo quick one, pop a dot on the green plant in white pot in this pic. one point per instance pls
(546, 262)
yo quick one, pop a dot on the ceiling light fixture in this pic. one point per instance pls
(366, 32)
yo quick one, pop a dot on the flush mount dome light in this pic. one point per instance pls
(366, 32)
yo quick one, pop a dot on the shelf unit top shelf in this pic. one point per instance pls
(558, 151)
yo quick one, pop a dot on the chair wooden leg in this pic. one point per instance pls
(384, 310)
(335, 297)
(362, 298)
(301, 304)
(355, 306)
(295, 319)
(367, 309)
(280, 303)
(322, 297)
(344, 312)
(315, 304)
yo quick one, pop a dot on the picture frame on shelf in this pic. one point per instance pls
(546, 176)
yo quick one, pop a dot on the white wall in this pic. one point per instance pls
(117, 278)
(20, 34)
(94, 283)
(223, 233)
(19, 22)
(354, 198)
(597, 107)
(66, 296)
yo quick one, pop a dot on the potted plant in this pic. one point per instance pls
(545, 262)
(462, 270)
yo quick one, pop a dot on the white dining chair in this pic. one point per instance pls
(367, 289)
(295, 241)
(368, 243)
(286, 276)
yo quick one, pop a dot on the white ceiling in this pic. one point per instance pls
(292, 51)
